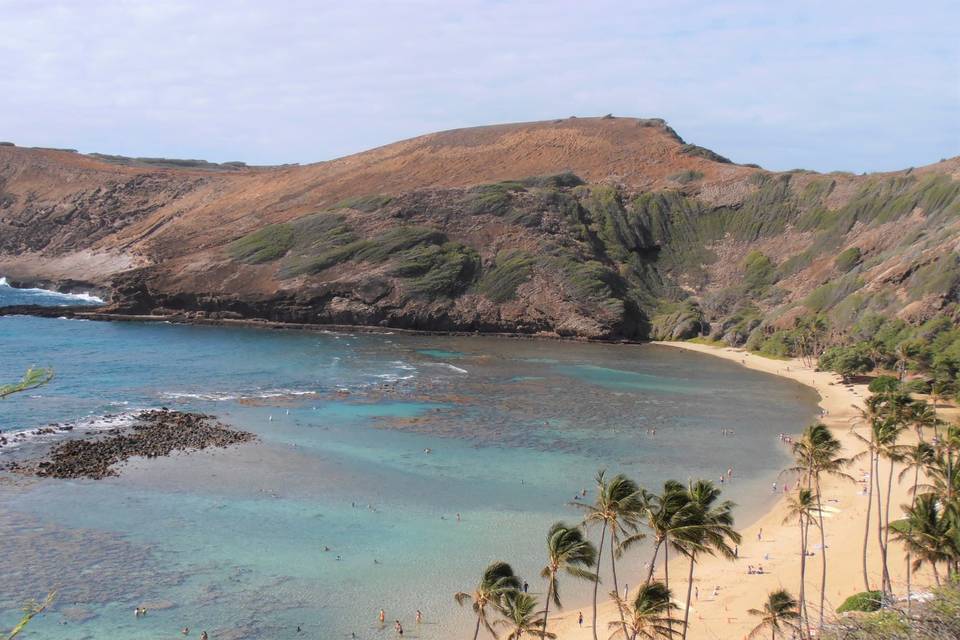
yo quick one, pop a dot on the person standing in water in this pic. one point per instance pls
(419, 616)
(382, 617)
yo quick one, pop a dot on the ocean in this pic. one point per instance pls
(389, 470)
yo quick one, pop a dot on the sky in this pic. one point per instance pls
(858, 86)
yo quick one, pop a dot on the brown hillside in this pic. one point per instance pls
(656, 220)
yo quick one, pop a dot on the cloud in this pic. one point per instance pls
(820, 85)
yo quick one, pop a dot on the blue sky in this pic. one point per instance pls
(858, 86)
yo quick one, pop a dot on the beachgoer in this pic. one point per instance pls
(419, 616)
(696, 593)
(580, 618)
(203, 635)
(186, 631)
(382, 617)
(774, 487)
(760, 534)
(458, 517)
(525, 586)
(716, 591)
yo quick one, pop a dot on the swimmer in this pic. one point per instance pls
(419, 616)
(382, 617)
(186, 631)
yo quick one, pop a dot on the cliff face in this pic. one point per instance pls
(601, 228)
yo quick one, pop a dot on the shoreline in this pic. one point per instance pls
(71, 312)
(768, 541)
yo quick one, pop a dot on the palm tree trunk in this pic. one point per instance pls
(803, 575)
(913, 504)
(686, 612)
(616, 585)
(823, 554)
(883, 553)
(886, 531)
(546, 606)
(653, 563)
(596, 583)
(476, 631)
(666, 579)
(866, 530)
(936, 574)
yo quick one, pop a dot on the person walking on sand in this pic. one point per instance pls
(580, 618)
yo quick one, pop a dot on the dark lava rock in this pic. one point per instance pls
(155, 434)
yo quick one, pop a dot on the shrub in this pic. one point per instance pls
(494, 199)
(703, 152)
(847, 259)
(759, 271)
(916, 386)
(438, 270)
(558, 181)
(884, 384)
(847, 361)
(263, 245)
(863, 601)
(684, 177)
(510, 270)
(367, 204)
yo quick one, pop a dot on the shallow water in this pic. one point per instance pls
(233, 541)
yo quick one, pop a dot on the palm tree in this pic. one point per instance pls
(801, 507)
(709, 529)
(923, 415)
(497, 583)
(520, 616)
(33, 378)
(617, 509)
(916, 458)
(778, 614)
(648, 615)
(927, 535)
(817, 453)
(567, 550)
(662, 513)
(887, 414)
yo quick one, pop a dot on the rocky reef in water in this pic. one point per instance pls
(154, 433)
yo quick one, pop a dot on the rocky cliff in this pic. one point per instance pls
(594, 227)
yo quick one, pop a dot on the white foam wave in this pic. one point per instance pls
(77, 297)
(446, 365)
(225, 397)
(18, 438)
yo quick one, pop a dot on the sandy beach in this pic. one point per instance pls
(726, 591)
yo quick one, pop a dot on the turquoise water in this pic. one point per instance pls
(232, 541)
